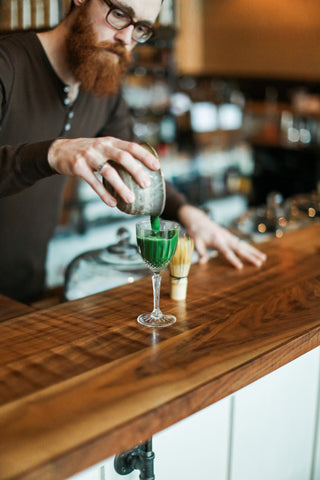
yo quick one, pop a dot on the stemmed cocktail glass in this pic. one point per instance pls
(157, 245)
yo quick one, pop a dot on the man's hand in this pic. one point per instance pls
(82, 157)
(207, 233)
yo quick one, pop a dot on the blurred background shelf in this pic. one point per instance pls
(228, 93)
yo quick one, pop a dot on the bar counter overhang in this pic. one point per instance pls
(82, 381)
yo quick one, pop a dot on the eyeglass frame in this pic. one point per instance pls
(112, 6)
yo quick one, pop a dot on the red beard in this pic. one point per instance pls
(98, 66)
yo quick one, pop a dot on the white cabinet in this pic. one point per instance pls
(316, 462)
(103, 471)
(316, 469)
(274, 423)
(195, 448)
(108, 472)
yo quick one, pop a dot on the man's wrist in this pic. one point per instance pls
(52, 154)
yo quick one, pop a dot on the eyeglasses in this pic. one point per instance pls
(120, 19)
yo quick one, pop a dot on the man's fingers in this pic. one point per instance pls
(111, 175)
(201, 249)
(250, 253)
(142, 154)
(132, 157)
(232, 258)
(83, 156)
(86, 174)
(134, 167)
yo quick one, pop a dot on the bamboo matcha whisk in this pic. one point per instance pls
(179, 268)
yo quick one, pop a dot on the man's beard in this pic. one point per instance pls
(93, 64)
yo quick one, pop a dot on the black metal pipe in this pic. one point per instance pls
(147, 461)
(139, 458)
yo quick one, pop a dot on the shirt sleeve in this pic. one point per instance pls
(174, 201)
(22, 165)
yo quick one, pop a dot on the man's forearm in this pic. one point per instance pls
(23, 165)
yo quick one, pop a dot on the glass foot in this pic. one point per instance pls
(163, 320)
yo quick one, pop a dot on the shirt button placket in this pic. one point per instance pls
(70, 115)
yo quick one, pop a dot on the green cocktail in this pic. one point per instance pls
(157, 247)
(157, 241)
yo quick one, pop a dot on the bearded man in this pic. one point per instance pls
(62, 114)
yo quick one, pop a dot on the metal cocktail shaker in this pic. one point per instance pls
(148, 201)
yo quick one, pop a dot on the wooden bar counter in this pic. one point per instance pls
(82, 381)
(10, 308)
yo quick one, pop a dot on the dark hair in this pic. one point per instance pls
(72, 5)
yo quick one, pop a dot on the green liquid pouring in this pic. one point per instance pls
(155, 224)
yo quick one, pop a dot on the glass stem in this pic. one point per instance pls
(156, 282)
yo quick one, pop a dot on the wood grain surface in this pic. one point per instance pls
(10, 308)
(83, 380)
